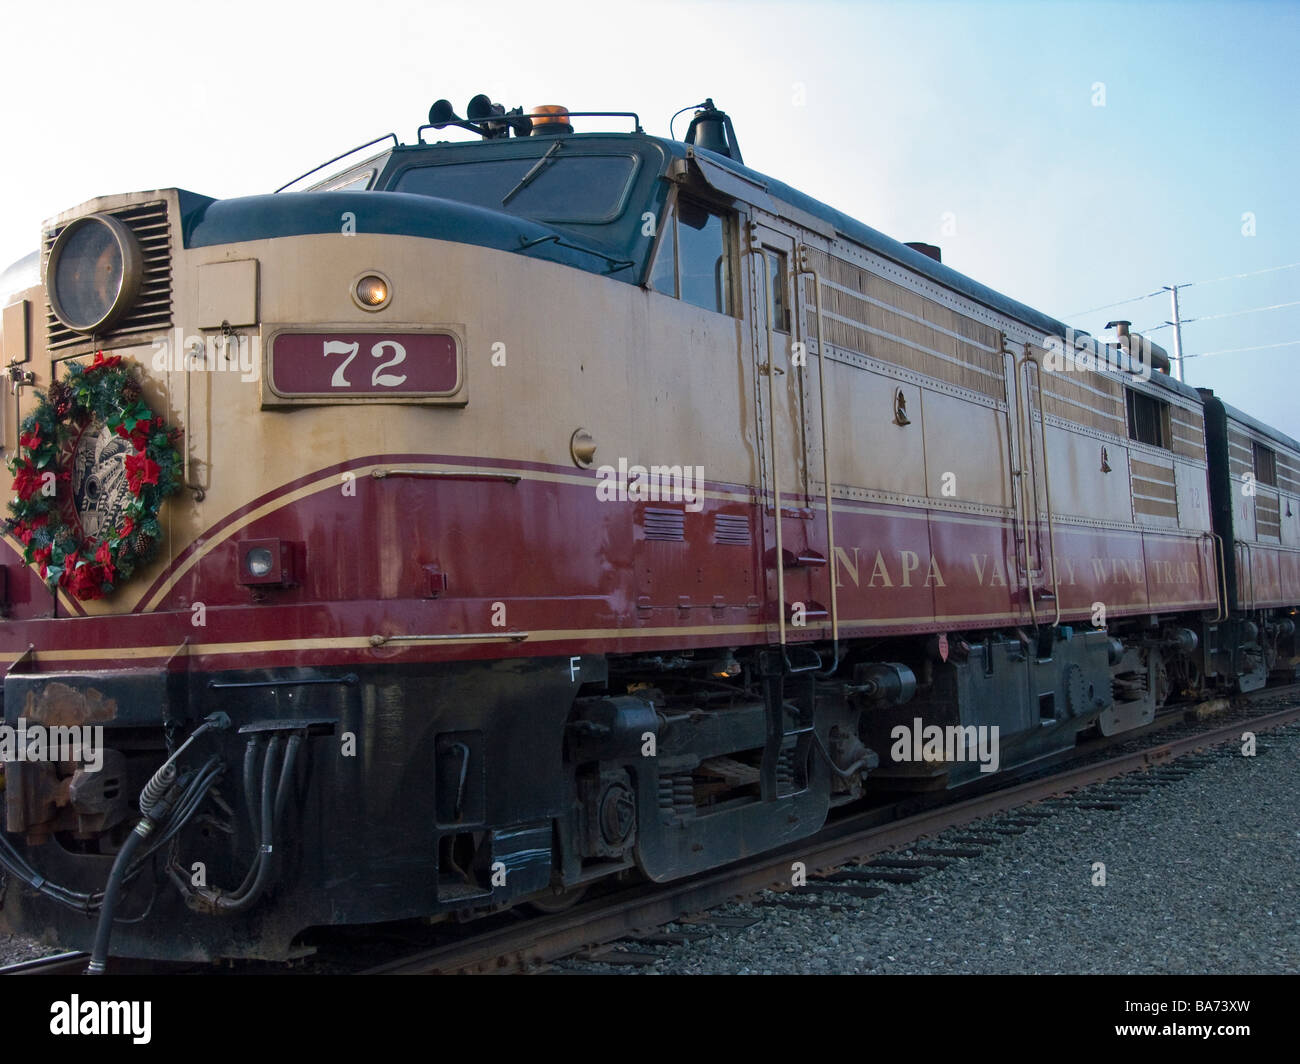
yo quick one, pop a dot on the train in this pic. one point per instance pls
(443, 534)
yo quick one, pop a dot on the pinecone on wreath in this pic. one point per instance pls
(60, 396)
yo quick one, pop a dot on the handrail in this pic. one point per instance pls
(615, 264)
(1024, 505)
(198, 490)
(804, 268)
(379, 639)
(772, 371)
(1015, 470)
(350, 151)
(1047, 483)
(503, 119)
(1250, 572)
(446, 474)
(1221, 583)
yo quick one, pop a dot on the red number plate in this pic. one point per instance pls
(364, 364)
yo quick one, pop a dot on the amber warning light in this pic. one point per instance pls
(551, 118)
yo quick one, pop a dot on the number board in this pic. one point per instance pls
(365, 365)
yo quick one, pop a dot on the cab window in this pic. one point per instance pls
(693, 262)
(557, 187)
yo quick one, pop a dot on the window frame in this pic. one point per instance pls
(616, 211)
(1257, 450)
(780, 323)
(1161, 421)
(665, 233)
(668, 231)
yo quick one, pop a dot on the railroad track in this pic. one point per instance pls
(57, 964)
(846, 858)
(855, 855)
(74, 963)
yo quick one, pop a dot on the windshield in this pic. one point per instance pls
(578, 189)
(352, 181)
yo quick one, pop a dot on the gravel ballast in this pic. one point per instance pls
(1202, 876)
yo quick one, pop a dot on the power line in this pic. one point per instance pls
(1189, 284)
(1234, 313)
(1237, 350)
(1122, 302)
(1213, 317)
(1236, 276)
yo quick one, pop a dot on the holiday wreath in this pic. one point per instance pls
(92, 469)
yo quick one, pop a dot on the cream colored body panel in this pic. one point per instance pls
(579, 350)
(978, 474)
(892, 322)
(1080, 489)
(547, 349)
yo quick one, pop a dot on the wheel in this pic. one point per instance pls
(556, 901)
(1186, 676)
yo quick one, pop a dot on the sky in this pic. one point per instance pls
(1068, 155)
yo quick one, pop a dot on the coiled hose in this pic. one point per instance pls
(155, 807)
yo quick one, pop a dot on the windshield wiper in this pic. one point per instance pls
(615, 264)
(538, 167)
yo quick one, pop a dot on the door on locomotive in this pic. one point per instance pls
(796, 549)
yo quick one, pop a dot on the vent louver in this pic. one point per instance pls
(731, 528)
(664, 524)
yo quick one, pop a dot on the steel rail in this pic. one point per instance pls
(533, 944)
(57, 964)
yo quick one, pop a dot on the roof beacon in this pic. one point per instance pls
(550, 119)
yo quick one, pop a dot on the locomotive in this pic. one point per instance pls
(497, 517)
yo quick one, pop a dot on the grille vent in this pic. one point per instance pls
(153, 306)
(731, 528)
(1268, 520)
(667, 525)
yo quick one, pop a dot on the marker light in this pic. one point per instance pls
(372, 292)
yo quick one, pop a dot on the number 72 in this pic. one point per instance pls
(378, 378)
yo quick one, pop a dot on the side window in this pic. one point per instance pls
(1148, 419)
(663, 278)
(693, 260)
(777, 281)
(1265, 465)
(703, 269)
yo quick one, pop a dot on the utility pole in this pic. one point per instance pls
(1178, 330)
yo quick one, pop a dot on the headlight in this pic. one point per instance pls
(93, 274)
(266, 563)
(258, 561)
